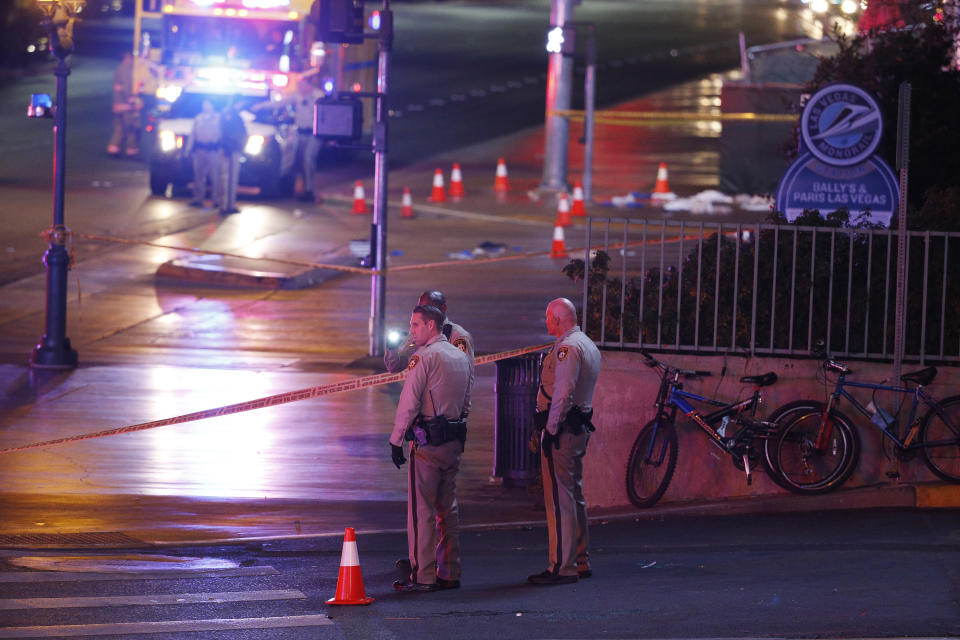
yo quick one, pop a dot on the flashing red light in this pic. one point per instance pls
(357, 87)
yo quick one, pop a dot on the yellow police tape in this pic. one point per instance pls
(649, 118)
(269, 401)
(406, 267)
(299, 263)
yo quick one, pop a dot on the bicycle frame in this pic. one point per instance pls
(672, 395)
(892, 431)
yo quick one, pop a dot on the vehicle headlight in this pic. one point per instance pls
(254, 145)
(169, 141)
(819, 6)
(169, 92)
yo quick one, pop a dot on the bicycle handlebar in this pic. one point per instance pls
(650, 361)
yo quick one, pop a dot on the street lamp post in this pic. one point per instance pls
(54, 349)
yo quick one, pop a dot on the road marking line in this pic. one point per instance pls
(164, 626)
(64, 576)
(149, 600)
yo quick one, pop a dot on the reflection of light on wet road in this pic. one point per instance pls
(220, 457)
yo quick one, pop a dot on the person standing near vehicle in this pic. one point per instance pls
(568, 377)
(204, 146)
(233, 138)
(308, 146)
(126, 111)
(396, 359)
(430, 415)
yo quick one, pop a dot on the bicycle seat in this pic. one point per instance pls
(764, 380)
(922, 377)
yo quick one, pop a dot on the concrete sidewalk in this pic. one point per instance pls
(154, 346)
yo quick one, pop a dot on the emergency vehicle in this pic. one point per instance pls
(250, 51)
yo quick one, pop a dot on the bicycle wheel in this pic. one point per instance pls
(781, 416)
(807, 469)
(943, 459)
(651, 463)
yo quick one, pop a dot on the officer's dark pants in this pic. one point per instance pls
(567, 535)
(433, 516)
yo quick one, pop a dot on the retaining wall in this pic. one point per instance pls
(623, 404)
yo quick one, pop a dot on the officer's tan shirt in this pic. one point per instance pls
(569, 376)
(206, 128)
(459, 337)
(437, 373)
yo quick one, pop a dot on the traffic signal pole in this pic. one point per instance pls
(378, 229)
(559, 90)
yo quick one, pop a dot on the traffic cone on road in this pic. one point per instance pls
(359, 200)
(438, 194)
(661, 190)
(559, 248)
(350, 581)
(578, 209)
(456, 182)
(501, 182)
(563, 211)
(406, 202)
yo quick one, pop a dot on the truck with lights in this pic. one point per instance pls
(248, 51)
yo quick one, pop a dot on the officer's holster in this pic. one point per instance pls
(439, 430)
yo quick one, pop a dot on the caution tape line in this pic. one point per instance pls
(407, 267)
(299, 263)
(269, 401)
(639, 118)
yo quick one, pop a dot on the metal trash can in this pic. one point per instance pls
(518, 380)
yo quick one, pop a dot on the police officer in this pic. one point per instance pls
(434, 396)
(126, 111)
(564, 407)
(233, 138)
(204, 147)
(396, 359)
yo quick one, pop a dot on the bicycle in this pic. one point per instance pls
(803, 454)
(653, 457)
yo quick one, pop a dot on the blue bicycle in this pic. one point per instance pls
(733, 428)
(804, 457)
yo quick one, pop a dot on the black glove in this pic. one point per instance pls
(396, 453)
(550, 439)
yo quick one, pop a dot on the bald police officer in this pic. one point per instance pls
(565, 407)
(396, 360)
(434, 397)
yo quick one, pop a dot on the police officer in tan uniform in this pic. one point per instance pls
(564, 409)
(434, 397)
(396, 359)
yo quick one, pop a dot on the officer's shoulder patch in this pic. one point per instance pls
(414, 361)
(461, 343)
(562, 352)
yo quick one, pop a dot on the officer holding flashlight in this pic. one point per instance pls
(430, 416)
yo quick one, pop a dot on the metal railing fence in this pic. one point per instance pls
(768, 289)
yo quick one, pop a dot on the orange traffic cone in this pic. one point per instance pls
(406, 209)
(359, 200)
(578, 209)
(661, 190)
(563, 211)
(350, 581)
(456, 182)
(559, 248)
(438, 194)
(501, 183)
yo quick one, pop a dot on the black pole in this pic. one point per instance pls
(54, 351)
